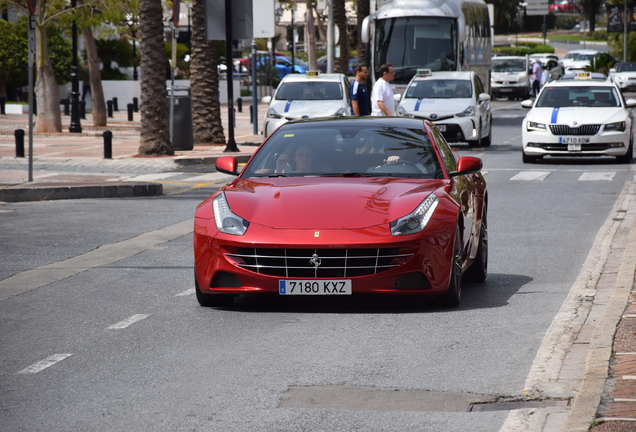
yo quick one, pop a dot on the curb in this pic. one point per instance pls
(61, 191)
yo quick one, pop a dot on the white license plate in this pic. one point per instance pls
(314, 287)
(575, 140)
(442, 128)
(505, 90)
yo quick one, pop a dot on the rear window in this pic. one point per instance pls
(439, 89)
(309, 90)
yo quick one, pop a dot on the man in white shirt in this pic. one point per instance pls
(382, 102)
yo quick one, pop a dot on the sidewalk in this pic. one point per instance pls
(81, 169)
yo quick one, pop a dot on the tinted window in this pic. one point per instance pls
(510, 65)
(309, 90)
(579, 96)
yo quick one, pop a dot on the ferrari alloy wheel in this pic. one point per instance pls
(212, 300)
(478, 270)
(454, 293)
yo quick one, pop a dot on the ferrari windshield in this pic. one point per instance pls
(310, 90)
(358, 150)
(508, 65)
(439, 89)
(578, 96)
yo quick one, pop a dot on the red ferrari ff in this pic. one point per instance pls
(342, 206)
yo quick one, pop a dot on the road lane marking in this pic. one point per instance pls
(43, 364)
(185, 293)
(597, 176)
(151, 177)
(531, 175)
(128, 322)
(103, 255)
(211, 177)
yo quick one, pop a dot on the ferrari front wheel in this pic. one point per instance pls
(212, 300)
(453, 296)
(478, 270)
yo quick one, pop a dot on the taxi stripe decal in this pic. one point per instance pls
(289, 102)
(417, 104)
(555, 114)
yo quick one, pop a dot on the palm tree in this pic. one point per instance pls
(341, 64)
(363, 9)
(204, 79)
(154, 136)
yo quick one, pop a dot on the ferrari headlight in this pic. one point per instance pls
(533, 126)
(615, 127)
(271, 113)
(416, 221)
(467, 112)
(226, 221)
(401, 112)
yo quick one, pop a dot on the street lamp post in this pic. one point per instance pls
(76, 126)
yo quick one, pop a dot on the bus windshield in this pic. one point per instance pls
(411, 43)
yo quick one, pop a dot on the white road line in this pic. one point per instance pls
(531, 175)
(151, 177)
(208, 178)
(127, 322)
(185, 293)
(597, 176)
(43, 364)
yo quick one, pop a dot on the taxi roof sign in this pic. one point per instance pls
(424, 72)
(583, 76)
(312, 73)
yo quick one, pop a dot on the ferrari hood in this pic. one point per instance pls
(294, 109)
(327, 203)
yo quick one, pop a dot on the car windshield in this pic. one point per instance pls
(345, 151)
(510, 65)
(584, 57)
(439, 89)
(578, 96)
(309, 90)
(626, 67)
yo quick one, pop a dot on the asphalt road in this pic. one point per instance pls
(110, 337)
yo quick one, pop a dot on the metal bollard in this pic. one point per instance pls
(108, 144)
(82, 109)
(239, 104)
(3, 100)
(136, 104)
(66, 104)
(19, 143)
(115, 104)
(130, 112)
(109, 105)
(251, 114)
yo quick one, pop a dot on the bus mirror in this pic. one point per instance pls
(364, 30)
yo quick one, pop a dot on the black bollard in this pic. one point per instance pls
(239, 104)
(251, 114)
(82, 109)
(136, 104)
(3, 99)
(66, 104)
(19, 143)
(109, 108)
(130, 112)
(115, 104)
(108, 144)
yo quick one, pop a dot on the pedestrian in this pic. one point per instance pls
(382, 102)
(536, 77)
(358, 93)
(545, 75)
(557, 71)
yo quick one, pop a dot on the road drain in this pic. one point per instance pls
(371, 399)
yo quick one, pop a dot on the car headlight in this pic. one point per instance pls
(521, 80)
(226, 221)
(271, 113)
(467, 112)
(533, 126)
(340, 113)
(401, 112)
(492, 80)
(624, 78)
(616, 127)
(416, 221)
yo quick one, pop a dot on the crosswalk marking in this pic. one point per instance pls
(531, 175)
(597, 176)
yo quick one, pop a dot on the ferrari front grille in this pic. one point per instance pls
(318, 263)
(581, 130)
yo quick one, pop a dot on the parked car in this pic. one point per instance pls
(578, 60)
(284, 65)
(510, 77)
(565, 6)
(313, 214)
(455, 101)
(582, 114)
(307, 96)
(322, 65)
(624, 75)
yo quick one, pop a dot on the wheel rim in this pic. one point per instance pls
(457, 268)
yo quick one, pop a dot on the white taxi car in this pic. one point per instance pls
(307, 96)
(624, 75)
(455, 102)
(578, 60)
(581, 114)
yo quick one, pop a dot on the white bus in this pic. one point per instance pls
(449, 35)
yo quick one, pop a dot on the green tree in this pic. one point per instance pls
(591, 9)
(13, 56)
(114, 50)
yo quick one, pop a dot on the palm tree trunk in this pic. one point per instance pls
(363, 10)
(97, 91)
(313, 61)
(341, 64)
(204, 79)
(154, 133)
